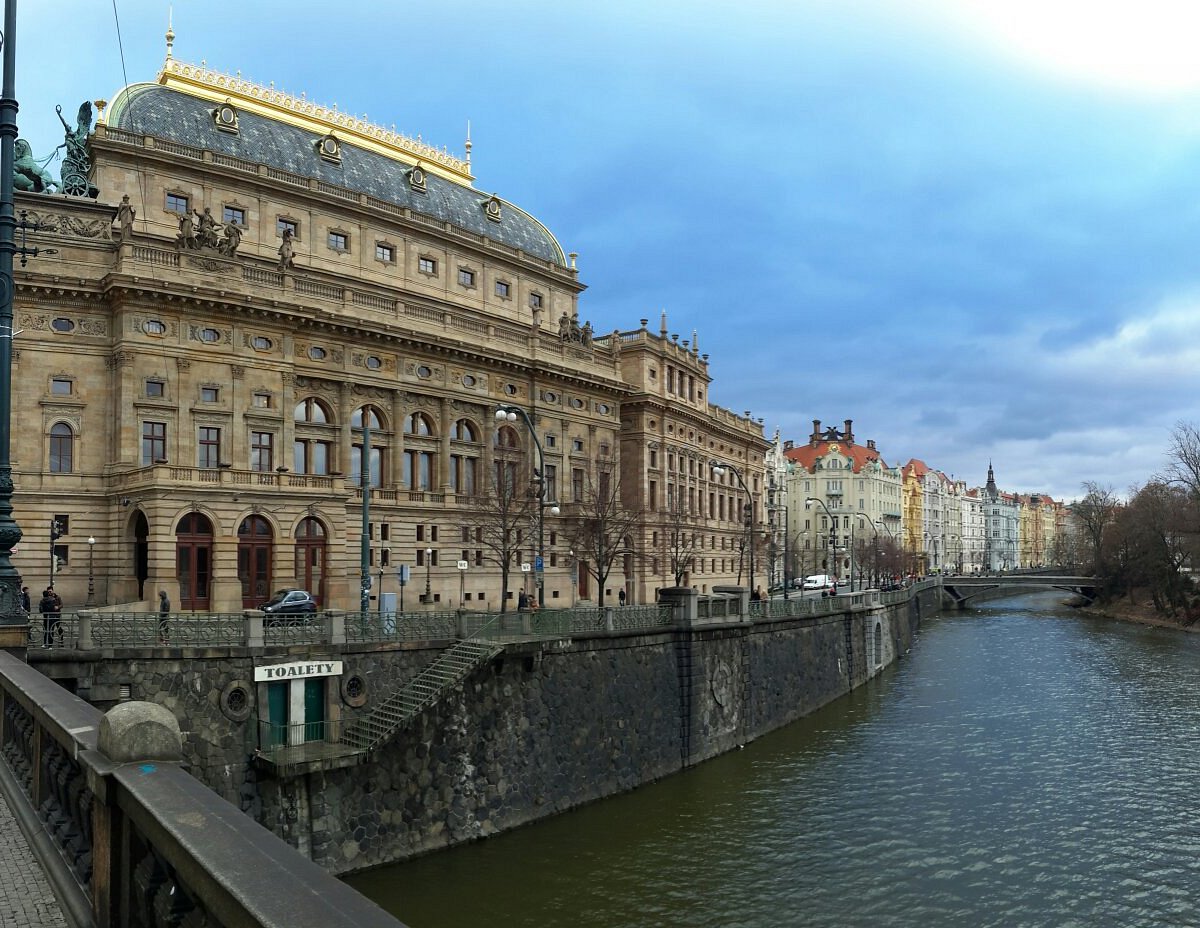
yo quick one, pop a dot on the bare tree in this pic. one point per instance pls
(1097, 513)
(1183, 461)
(496, 519)
(598, 526)
(680, 538)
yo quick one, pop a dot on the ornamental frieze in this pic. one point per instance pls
(74, 226)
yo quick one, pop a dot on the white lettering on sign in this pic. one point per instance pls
(272, 672)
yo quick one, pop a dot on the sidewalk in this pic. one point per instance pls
(26, 900)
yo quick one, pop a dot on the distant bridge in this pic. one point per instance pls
(963, 589)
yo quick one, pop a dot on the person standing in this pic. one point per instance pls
(621, 596)
(26, 604)
(164, 610)
(51, 609)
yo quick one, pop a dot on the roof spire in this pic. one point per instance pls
(468, 145)
(170, 33)
(663, 325)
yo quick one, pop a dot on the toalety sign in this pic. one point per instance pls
(273, 672)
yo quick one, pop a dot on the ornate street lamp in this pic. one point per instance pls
(718, 470)
(91, 597)
(510, 413)
(427, 598)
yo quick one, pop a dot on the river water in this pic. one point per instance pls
(1023, 765)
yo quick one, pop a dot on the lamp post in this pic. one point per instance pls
(91, 597)
(718, 469)
(832, 533)
(427, 598)
(510, 413)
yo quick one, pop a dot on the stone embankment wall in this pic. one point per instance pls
(545, 727)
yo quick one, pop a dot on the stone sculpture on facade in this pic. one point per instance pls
(287, 251)
(77, 161)
(569, 330)
(125, 216)
(205, 234)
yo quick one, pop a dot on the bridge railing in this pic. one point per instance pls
(145, 843)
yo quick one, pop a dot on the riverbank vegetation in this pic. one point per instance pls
(1144, 548)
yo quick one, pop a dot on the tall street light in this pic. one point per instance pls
(832, 533)
(718, 469)
(427, 598)
(12, 622)
(510, 413)
(91, 597)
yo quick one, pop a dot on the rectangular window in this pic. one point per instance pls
(503, 289)
(427, 266)
(262, 400)
(339, 241)
(210, 394)
(550, 483)
(311, 457)
(577, 485)
(535, 301)
(155, 388)
(466, 278)
(177, 203)
(154, 443)
(262, 451)
(385, 253)
(577, 444)
(287, 225)
(60, 386)
(233, 215)
(208, 447)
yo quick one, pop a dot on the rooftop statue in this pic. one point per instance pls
(77, 162)
(28, 174)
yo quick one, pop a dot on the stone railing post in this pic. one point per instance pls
(335, 627)
(254, 628)
(682, 600)
(608, 618)
(460, 621)
(86, 642)
(131, 732)
(739, 600)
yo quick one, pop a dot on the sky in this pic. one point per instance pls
(971, 226)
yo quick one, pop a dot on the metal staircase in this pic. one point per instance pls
(448, 670)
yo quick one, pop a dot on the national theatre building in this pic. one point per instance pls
(258, 304)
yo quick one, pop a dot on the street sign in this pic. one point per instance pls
(525, 567)
(404, 574)
(538, 565)
(462, 565)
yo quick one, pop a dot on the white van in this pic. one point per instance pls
(818, 582)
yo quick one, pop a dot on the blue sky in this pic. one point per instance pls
(971, 226)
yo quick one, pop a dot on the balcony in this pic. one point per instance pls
(166, 475)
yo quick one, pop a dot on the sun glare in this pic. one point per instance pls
(1150, 45)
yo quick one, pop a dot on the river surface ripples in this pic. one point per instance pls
(1023, 765)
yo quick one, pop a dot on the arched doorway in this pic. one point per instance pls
(310, 557)
(141, 552)
(255, 549)
(193, 560)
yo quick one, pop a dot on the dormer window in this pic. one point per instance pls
(416, 178)
(491, 209)
(330, 149)
(226, 118)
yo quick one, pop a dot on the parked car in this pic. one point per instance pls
(290, 602)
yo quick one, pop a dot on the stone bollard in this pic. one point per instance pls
(136, 731)
(254, 628)
(85, 616)
(335, 627)
(608, 618)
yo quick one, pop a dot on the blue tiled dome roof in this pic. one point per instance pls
(165, 112)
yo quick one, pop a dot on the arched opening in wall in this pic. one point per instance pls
(310, 557)
(878, 653)
(255, 556)
(141, 552)
(193, 560)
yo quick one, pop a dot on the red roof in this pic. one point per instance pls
(807, 455)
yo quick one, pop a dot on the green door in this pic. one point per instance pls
(314, 709)
(277, 713)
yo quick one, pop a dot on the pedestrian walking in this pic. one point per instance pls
(621, 596)
(25, 601)
(522, 600)
(164, 610)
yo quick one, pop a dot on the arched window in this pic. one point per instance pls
(193, 560)
(508, 456)
(417, 424)
(464, 457)
(374, 422)
(310, 557)
(62, 449)
(314, 442)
